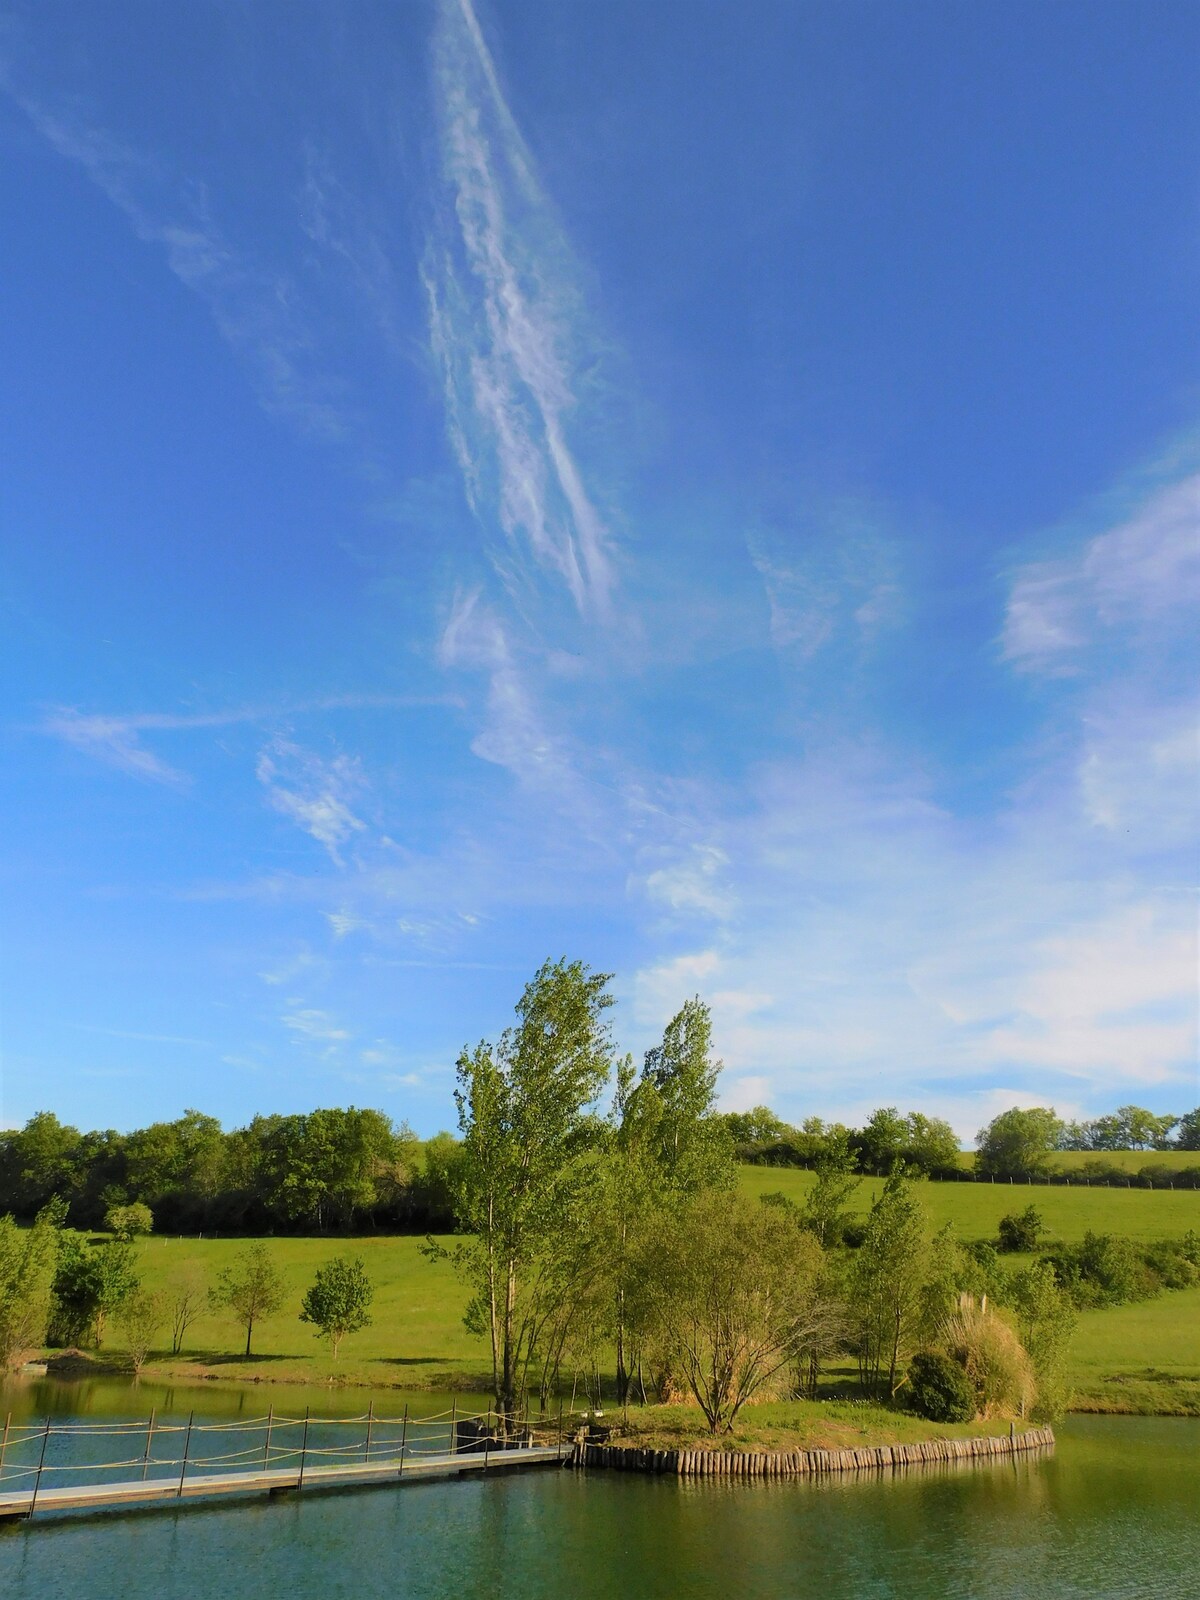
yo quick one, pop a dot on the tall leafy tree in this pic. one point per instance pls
(1018, 1142)
(629, 1202)
(39, 1161)
(694, 1145)
(522, 1106)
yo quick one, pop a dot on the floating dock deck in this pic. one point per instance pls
(24, 1503)
(58, 1467)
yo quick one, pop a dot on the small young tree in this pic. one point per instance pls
(27, 1263)
(187, 1296)
(339, 1301)
(252, 1288)
(1046, 1321)
(126, 1222)
(825, 1210)
(887, 1283)
(140, 1317)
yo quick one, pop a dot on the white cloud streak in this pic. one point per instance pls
(314, 793)
(1130, 579)
(502, 322)
(116, 738)
(256, 310)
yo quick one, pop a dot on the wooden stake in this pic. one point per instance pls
(149, 1437)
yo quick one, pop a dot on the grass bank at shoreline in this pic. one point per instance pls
(789, 1425)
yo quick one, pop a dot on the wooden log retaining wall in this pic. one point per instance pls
(792, 1463)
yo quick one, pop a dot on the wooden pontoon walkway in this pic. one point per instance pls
(273, 1480)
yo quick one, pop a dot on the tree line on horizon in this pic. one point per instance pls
(348, 1170)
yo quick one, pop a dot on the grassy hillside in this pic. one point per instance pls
(1143, 1356)
(975, 1209)
(416, 1337)
(1140, 1357)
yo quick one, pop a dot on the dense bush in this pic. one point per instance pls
(1021, 1230)
(939, 1389)
(1157, 1175)
(1107, 1270)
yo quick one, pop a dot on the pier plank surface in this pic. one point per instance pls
(22, 1503)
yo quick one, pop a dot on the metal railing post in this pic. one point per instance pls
(149, 1438)
(403, 1436)
(487, 1438)
(187, 1444)
(267, 1440)
(4, 1441)
(454, 1425)
(370, 1422)
(303, 1449)
(37, 1482)
(559, 1449)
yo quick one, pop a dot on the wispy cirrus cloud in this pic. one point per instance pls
(116, 737)
(313, 1025)
(314, 792)
(258, 310)
(503, 309)
(830, 575)
(115, 740)
(515, 733)
(1131, 578)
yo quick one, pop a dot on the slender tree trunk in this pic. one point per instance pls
(506, 1397)
(249, 1331)
(895, 1352)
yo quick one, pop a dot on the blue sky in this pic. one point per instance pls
(709, 489)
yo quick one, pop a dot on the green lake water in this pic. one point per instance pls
(1114, 1511)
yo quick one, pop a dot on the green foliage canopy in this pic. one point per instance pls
(339, 1301)
(1018, 1142)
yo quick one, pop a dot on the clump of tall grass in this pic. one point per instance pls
(993, 1358)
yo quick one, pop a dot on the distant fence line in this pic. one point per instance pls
(1145, 1178)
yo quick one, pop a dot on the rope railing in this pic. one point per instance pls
(385, 1442)
(96, 1429)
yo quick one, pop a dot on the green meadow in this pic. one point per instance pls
(1142, 1357)
(974, 1209)
(416, 1338)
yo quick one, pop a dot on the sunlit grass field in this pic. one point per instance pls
(417, 1338)
(974, 1209)
(1138, 1357)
